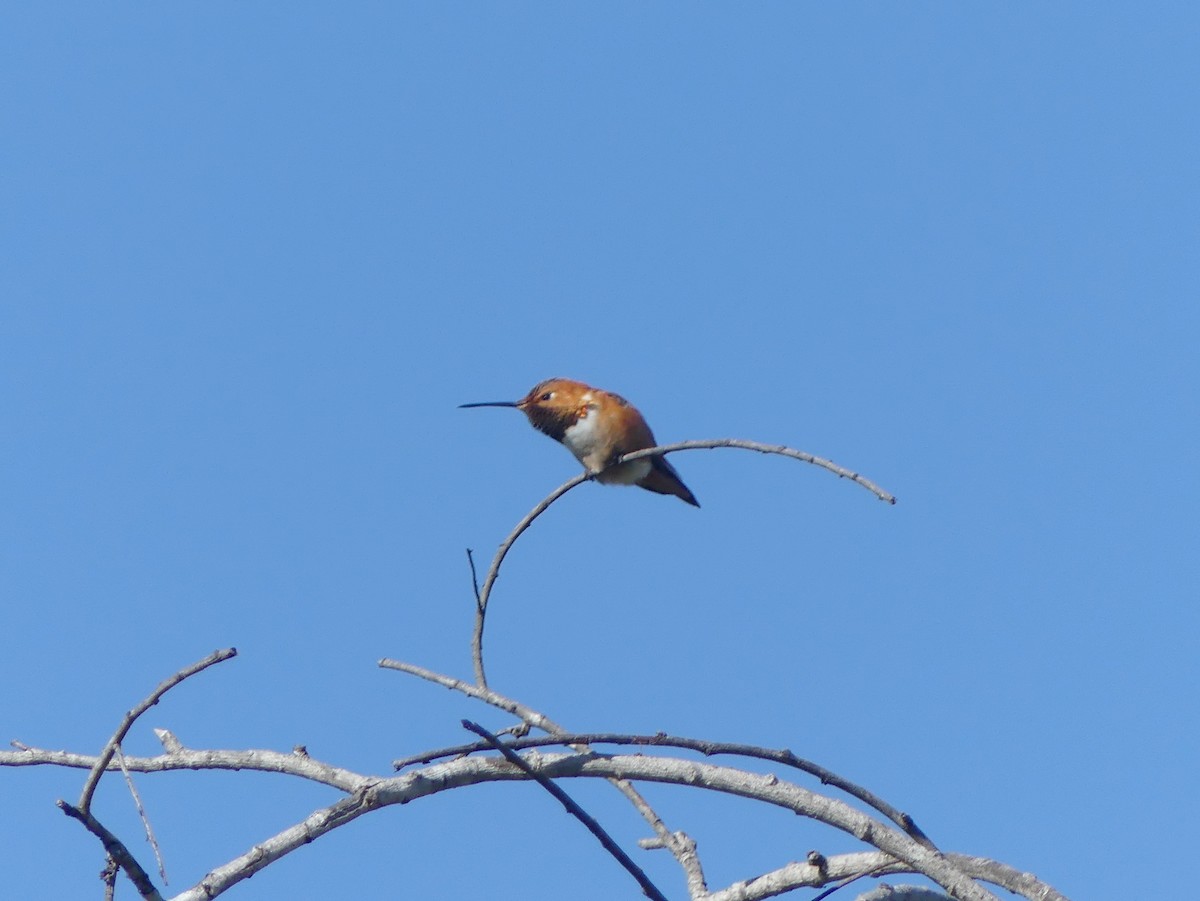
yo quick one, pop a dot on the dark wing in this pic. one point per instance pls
(663, 479)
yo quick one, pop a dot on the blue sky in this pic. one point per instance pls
(255, 256)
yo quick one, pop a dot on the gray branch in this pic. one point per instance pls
(955, 873)
(484, 594)
(187, 759)
(89, 787)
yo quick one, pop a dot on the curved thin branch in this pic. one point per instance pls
(481, 693)
(484, 594)
(83, 810)
(707, 748)
(782, 450)
(369, 793)
(263, 854)
(106, 755)
(141, 810)
(911, 856)
(771, 790)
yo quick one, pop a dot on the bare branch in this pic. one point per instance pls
(841, 866)
(481, 598)
(93, 779)
(840, 471)
(186, 759)
(484, 595)
(141, 810)
(910, 855)
(116, 850)
(1019, 883)
(682, 847)
(835, 867)
(907, 850)
(649, 889)
(903, 854)
(680, 844)
(771, 790)
(708, 748)
(479, 692)
(83, 812)
(265, 853)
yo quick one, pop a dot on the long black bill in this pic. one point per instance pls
(490, 403)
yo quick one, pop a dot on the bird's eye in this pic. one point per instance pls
(548, 395)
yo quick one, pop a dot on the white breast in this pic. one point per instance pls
(582, 437)
(591, 447)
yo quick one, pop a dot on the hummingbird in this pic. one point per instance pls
(598, 427)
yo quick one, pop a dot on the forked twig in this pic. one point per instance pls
(83, 811)
(115, 849)
(481, 597)
(484, 594)
(93, 779)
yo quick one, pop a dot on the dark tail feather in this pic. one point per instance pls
(663, 479)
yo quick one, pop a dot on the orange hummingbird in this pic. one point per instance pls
(598, 427)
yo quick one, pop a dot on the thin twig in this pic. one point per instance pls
(481, 693)
(115, 849)
(474, 575)
(481, 599)
(137, 802)
(93, 779)
(783, 450)
(485, 593)
(707, 748)
(649, 889)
